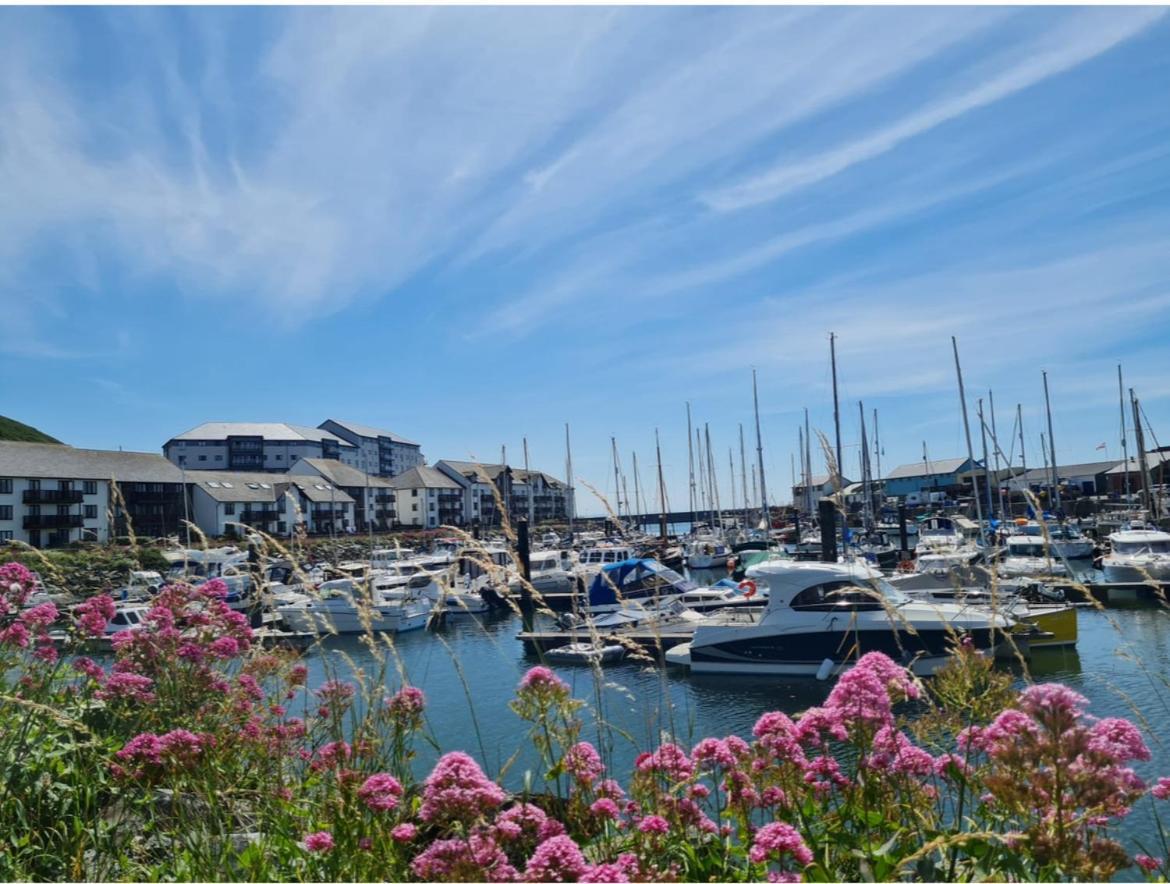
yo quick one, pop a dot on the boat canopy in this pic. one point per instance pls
(635, 579)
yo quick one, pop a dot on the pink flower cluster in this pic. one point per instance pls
(17, 583)
(179, 748)
(457, 789)
(583, 763)
(94, 615)
(380, 792)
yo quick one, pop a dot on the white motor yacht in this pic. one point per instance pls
(821, 616)
(1138, 555)
(348, 606)
(1028, 555)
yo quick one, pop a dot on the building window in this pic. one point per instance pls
(182, 458)
(217, 457)
(64, 485)
(34, 484)
(5, 535)
(6, 512)
(280, 457)
(90, 486)
(414, 507)
(203, 457)
(90, 511)
(229, 509)
(414, 492)
(5, 486)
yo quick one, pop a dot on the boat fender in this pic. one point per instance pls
(825, 670)
(748, 587)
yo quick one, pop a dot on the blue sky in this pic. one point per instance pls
(469, 225)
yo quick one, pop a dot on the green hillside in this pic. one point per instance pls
(15, 431)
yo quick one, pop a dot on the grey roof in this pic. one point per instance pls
(369, 432)
(276, 432)
(525, 475)
(821, 481)
(474, 470)
(1041, 474)
(319, 490)
(232, 487)
(343, 475)
(929, 468)
(423, 477)
(1153, 459)
(43, 460)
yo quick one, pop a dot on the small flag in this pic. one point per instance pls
(1101, 447)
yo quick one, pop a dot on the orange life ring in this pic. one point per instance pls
(906, 565)
(748, 587)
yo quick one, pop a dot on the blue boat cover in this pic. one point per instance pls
(635, 579)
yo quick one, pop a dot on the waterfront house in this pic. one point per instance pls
(323, 507)
(254, 447)
(52, 495)
(379, 452)
(951, 476)
(820, 486)
(222, 502)
(373, 495)
(1083, 478)
(427, 498)
(482, 484)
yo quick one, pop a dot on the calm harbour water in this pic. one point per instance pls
(469, 671)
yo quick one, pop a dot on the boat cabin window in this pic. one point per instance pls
(836, 595)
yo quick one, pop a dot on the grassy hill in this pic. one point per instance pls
(15, 431)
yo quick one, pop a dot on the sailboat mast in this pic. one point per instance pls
(691, 458)
(877, 448)
(967, 432)
(1023, 454)
(765, 515)
(806, 454)
(866, 508)
(571, 503)
(529, 483)
(743, 476)
(986, 476)
(661, 488)
(1140, 439)
(637, 492)
(713, 480)
(702, 470)
(836, 410)
(1051, 448)
(731, 473)
(617, 481)
(1124, 449)
(996, 451)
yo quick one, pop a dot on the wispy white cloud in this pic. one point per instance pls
(1088, 35)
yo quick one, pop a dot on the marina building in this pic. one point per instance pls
(1084, 478)
(1157, 462)
(255, 447)
(951, 476)
(52, 495)
(487, 486)
(379, 452)
(373, 496)
(818, 487)
(427, 498)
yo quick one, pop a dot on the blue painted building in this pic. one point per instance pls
(948, 476)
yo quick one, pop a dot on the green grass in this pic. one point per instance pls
(15, 431)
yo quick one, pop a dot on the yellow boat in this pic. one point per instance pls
(1057, 621)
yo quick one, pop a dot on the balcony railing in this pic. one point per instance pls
(257, 517)
(37, 522)
(45, 496)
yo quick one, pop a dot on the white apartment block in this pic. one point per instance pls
(255, 447)
(427, 498)
(226, 503)
(373, 495)
(379, 452)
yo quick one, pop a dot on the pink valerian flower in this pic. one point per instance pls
(711, 753)
(95, 614)
(582, 761)
(457, 789)
(538, 692)
(249, 686)
(605, 808)
(403, 832)
(526, 821)
(1054, 705)
(89, 667)
(332, 755)
(1118, 741)
(183, 747)
(557, 859)
(127, 686)
(818, 724)
(896, 679)
(541, 678)
(892, 751)
(143, 747)
(862, 700)
(15, 634)
(1002, 736)
(319, 842)
(178, 748)
(455, 859)
(40, 617)
(776, 840)
(298, 674)
(668, 759)
(406, 707)
(951, 765)
(1161, 789)
(45, 650)
(17, 583)
(380, 792)
(224, 648)
(604, 873)
(1147, 863)
(610, 789)
(653, 825)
